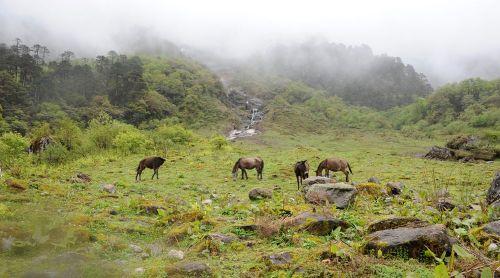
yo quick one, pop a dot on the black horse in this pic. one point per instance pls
(301, 171)
(153, 162)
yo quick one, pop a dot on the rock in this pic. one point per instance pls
(462, 142)
(16, 184)
(135, 248)
(495, 207)
(315, 224)
(110, 188)
(396, 222)
(83, 178)
(492, 228)
(139, 270)
(113, 212)
(411, 241)
(395, 187)
(374, 180)
(150, 209)
(249, 227)
(493, 194)
(316, 180)
(176, 254)
(206, 202)
(221, 237)
(444, 203)
(440, 153)
(191, 269)
(278, 259)
(144, 255)
(492, 247)
(340, 194)
(484, 154)
(260, 193)
(6, 244)
(155, 249)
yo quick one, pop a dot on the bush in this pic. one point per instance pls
(487, 119)
(12, 147)
(174, 134)
(218, 142)
(131, 142)
(68, 133)
(103, 130)
(55, 154)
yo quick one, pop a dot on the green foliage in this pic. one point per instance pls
(132, 141)
(441, 271)
(68, 133)
(103, 130)
(55, 154)
(166, 136)
(12, 147)
(218, 142)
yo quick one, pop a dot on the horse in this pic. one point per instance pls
(334, 165)
(153, 162)
(248, 163)
(301, 169)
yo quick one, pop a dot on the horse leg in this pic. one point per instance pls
(154, 173)
(298, 186)
(346, 176)
(157, 174)
(242, 173)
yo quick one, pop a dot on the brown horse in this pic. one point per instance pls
(301, 171)
(248, 163)
(153, 162)
(334, 165)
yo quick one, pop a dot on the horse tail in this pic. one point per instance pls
(320, 167)
(235, 167)
(261, 165)
(349, 166)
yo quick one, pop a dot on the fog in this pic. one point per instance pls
(447, 40)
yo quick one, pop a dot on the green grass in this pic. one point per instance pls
(54, 216)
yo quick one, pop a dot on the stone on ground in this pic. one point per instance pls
(315, 224)
(190, 269)
(176, 254)
(395, 187)
(396, 222)
(374, 180)
(440, 153)
(412, 242)
(260, 193)
(338, 194)
(278, 259)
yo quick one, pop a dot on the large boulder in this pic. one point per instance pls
(260, 193)
(396, 222)
(463, 142)
(493, 194)
(413, 242)
(440, 153)
(315, 224)
(340, 194)
(316, 180)
(484, 154)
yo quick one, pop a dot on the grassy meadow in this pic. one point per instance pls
(77, 229)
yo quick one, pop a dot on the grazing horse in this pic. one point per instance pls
(334, 165)
(301, 171)
(153, 162)
(248, 163)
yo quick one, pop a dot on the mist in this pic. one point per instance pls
(446, 40)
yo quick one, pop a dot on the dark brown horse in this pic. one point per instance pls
(248, 163)
(334, 165)
(301, 171)
(153, 162)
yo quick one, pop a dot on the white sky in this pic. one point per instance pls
(446, 39)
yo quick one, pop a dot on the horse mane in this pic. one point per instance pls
(321, 166)
(235, 167)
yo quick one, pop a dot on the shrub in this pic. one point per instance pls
(68, 133)
(218, 142)
(103, 130)
(12, 147)
(131, 142)
(174, 134)
(55, 153)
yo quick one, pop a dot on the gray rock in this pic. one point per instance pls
(221, 237)
(493, 194)
(176, 254)
(440, 153)
(374, 180)
(6, 243)
(155, 249)
(135, 248)
(396, 222)
(412, 241)
(316, 180)
(206, 202)
(495, 207)
(444, 203)
(339, 194)
(139, 270)
(395, 187)
(110, 188)
(315, 224)
(260, 193)
(279, 259)
(492, 228)
(194, 269)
